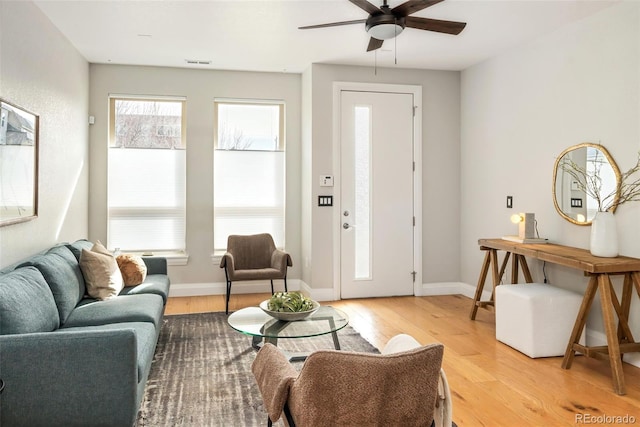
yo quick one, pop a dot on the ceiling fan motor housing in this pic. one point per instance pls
(384, 26)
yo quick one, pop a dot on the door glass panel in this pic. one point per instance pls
(362, 172)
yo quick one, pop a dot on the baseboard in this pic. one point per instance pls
(323, 294)
(220, 288)
(632, 359)
(451, 288)
(196, 289)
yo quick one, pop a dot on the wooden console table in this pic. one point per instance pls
(619, 340)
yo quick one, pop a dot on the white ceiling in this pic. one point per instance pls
(262, 35)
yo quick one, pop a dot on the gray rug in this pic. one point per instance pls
(201, 373)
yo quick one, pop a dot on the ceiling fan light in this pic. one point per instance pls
(385, 31)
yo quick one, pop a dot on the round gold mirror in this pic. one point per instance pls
(586, 179)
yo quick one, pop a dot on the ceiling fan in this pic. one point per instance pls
(385, 23)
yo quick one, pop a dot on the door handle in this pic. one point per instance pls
(347, 226)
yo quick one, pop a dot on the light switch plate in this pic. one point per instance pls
(325, 200)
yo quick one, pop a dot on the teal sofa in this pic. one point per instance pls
(67, 359)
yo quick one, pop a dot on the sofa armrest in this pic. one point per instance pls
(155, 265)
(69, 378)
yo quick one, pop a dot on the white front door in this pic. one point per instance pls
(376, 206)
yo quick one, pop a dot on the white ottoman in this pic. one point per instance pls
(536, 318)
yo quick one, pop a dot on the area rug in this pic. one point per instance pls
(201, 373)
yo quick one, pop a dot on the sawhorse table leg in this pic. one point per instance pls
(619, 339)
(480, 286)
(491, 262)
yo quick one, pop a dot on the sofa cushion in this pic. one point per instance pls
(133, 269)
(146, 335)
(60, 269)
(26, 303)
(77, 247)
(154, 284)
(124, 308)
(101, 272)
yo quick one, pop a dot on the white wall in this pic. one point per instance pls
(521, 109)
(200, 87)
(41, 72)
(307, 187)
(441, 170)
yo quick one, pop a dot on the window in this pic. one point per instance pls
(146, 174)
(362, 191)
(249, 170)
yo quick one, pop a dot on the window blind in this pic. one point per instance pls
(249, 195)
(147, 199)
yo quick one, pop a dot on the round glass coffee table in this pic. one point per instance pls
(258, 324)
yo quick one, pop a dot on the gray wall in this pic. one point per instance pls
(309, 154)
(41, 72)
(200, 87)
(306, 196)
(522, 108)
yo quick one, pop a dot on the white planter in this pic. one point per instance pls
(604, 235)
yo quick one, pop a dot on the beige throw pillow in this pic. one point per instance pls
(101, 273)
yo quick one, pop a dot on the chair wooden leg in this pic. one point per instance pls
(285, 283)
(269, 423)
(271, 286)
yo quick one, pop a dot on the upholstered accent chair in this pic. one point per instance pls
(342, 388)
(254, 257)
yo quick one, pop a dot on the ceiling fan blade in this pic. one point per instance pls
(374, 44)
(334, 24)
(412, 6)
(366, 6)
(437, 25)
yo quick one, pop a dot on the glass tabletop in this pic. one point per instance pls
(255, 322)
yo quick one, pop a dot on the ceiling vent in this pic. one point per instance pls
(198, 61)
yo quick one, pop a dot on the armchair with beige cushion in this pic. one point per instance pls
(254, 257)
(403, 386)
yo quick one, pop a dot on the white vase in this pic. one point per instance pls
(604, 235)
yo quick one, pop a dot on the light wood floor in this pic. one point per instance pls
(491, 384)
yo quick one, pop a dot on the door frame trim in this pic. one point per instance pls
(416, 91)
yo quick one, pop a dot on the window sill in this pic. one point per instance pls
(173, 258)
(216, 257)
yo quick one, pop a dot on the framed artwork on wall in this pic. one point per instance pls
(18, 164)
